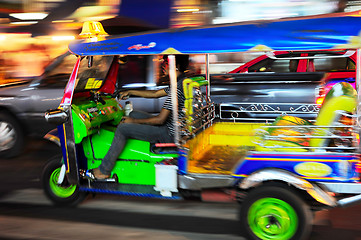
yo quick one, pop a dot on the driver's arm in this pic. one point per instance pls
(156, 120)
(143, 93)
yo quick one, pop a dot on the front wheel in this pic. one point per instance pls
(60, 194)
(11, 136)
(274, 212)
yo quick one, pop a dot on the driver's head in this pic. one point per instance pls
(182, 63)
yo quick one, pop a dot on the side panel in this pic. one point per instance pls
(324, 167)
(135, 165)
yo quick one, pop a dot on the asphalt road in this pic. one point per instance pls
(25, 213)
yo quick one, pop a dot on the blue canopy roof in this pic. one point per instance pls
(332, 31)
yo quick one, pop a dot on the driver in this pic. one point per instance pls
(144, 126)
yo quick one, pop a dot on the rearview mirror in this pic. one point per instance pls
(90, 61)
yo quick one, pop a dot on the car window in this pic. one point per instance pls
(65, 66)
(275, 65)
(58, 73)
(132, 72)
(333, 64)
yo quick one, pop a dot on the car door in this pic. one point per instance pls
(47, 92)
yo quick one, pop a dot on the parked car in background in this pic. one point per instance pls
(338, 66)
(337, 63)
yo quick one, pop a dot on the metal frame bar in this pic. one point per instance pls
(348, 53)
(173, 89)
(358, 88)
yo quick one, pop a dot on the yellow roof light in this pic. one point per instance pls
(92, 29)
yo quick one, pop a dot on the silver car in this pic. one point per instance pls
(22, 105)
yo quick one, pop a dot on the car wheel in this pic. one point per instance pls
(274, 212)
(60, 194)
(11, 136)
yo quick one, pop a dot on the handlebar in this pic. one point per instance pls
(96, 96)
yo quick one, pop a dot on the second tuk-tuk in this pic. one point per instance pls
(279, 171)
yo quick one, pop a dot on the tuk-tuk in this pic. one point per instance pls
(280, 171)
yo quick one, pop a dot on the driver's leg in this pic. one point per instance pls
(139, 114)
(149, 133)
(111, 157)
(124, 131)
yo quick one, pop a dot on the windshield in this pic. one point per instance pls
(92, 78)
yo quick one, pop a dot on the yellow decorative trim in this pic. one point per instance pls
(171, 51)
(353, 42)
(66, 150)
(261, 48)
(239, 175)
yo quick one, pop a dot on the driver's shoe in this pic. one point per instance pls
(96, 175)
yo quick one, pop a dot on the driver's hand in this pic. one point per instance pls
(124, 95)
(127, 120)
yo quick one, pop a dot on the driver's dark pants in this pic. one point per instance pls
(124, 131)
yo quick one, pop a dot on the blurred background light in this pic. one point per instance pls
(188, 10)
(49, 25)
(63, 38)
(29, 16)
(24, 23)
(91, 13)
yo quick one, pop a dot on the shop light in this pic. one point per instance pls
(62, 38)
(24, 23)
(29, 16)
(188, 10)
(63, 21)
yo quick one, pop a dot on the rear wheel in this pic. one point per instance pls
(274, 212)
(11, 136)
(60, 194)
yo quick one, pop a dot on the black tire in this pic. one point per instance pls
(275, 212)
(60, 195)
(11, 136)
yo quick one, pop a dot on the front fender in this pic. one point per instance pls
(257, 178)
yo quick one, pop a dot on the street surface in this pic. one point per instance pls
(25, 213)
